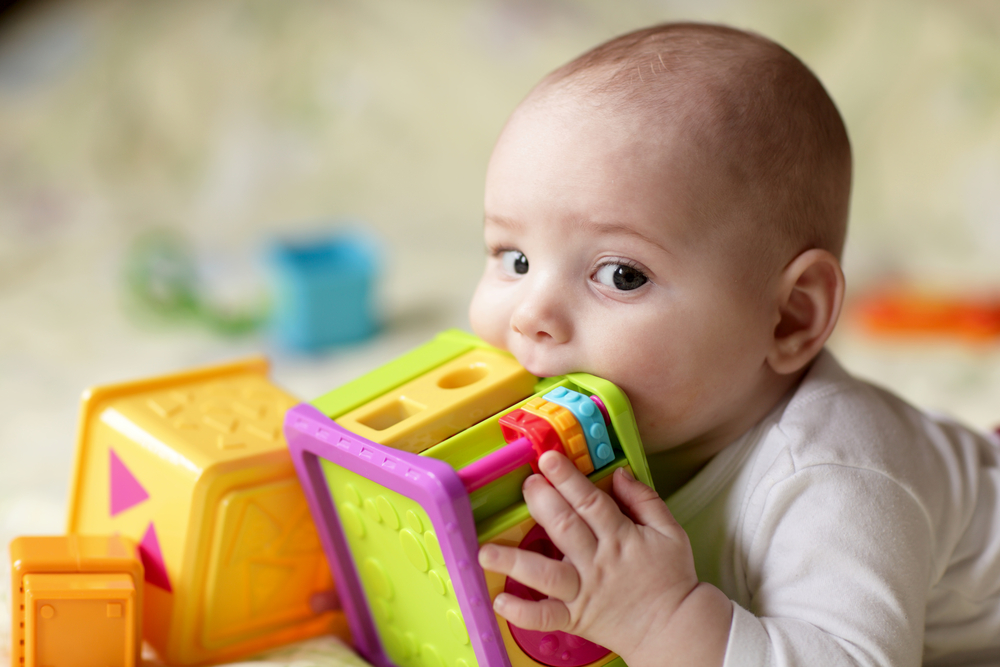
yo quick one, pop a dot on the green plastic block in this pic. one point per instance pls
(442, 348)
(516, 514)
(402, 572)
(368, 387)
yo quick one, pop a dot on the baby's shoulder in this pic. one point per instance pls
(835, 419)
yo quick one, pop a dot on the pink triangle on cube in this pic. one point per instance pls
(126, 491)
(152, 560)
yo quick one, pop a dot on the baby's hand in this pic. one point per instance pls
(628, 584)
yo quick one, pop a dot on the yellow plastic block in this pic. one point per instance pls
(76, 601)
(568, 428)
(421, 413)
(195, 468)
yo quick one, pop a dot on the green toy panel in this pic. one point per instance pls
(624, 430)
(385, 378)
(442, 348)
(402, 572)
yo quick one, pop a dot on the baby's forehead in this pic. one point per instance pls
(679, 133)
(694, 109)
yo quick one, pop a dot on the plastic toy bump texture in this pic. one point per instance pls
(591, 421)
(375, 497)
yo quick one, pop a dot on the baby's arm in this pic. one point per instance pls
(628, 584)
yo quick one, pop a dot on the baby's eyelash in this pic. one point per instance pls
(496, 251)
(623, 275)
(627, 263)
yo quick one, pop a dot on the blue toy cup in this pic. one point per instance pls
(323, 290)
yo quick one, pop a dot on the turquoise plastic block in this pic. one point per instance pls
(591, 421)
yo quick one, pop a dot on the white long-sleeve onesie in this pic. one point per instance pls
(850, 528)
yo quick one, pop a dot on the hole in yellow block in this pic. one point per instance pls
(391, 414)
(463, 377)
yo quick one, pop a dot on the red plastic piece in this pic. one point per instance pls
(556, 649)
(520, 424)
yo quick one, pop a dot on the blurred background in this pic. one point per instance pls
(233, 122)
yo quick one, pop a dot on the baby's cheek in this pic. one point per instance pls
(486, 319)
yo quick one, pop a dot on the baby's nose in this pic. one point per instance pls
(541, 316)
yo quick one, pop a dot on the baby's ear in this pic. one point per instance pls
(810, 294)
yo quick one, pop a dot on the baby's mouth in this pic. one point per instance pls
(540, 367)
(544, 359)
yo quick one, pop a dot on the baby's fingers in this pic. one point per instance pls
(643, 504)
(555, 578)
(543, 615)
(595, 507)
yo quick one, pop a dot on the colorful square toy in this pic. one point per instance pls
(408, 469)
(195, 469)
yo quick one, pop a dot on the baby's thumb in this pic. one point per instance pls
(642, 503)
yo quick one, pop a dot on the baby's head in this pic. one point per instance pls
(667, 212)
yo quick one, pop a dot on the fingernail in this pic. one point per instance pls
(548, 461)
(499, 603)
(626, 472)
(487, 554)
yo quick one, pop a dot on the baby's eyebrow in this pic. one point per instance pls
(503, 221)
(618, 228)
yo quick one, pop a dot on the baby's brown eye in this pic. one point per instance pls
(621, 277)
(514, 262)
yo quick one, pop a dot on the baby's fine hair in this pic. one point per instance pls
(761, 114)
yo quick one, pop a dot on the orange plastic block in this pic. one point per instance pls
(195, 468)
(452, 397)
(568, 428)
(910, 312)
(76, 601)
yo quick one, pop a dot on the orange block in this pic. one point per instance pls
(568, 428)
(76, 601)
(901, 310)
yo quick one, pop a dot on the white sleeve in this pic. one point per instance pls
(838, 571)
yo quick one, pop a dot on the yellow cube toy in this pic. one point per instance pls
(195, 469)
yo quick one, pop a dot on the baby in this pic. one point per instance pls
(667, 212)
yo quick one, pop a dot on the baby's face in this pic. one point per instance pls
(600, 262)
